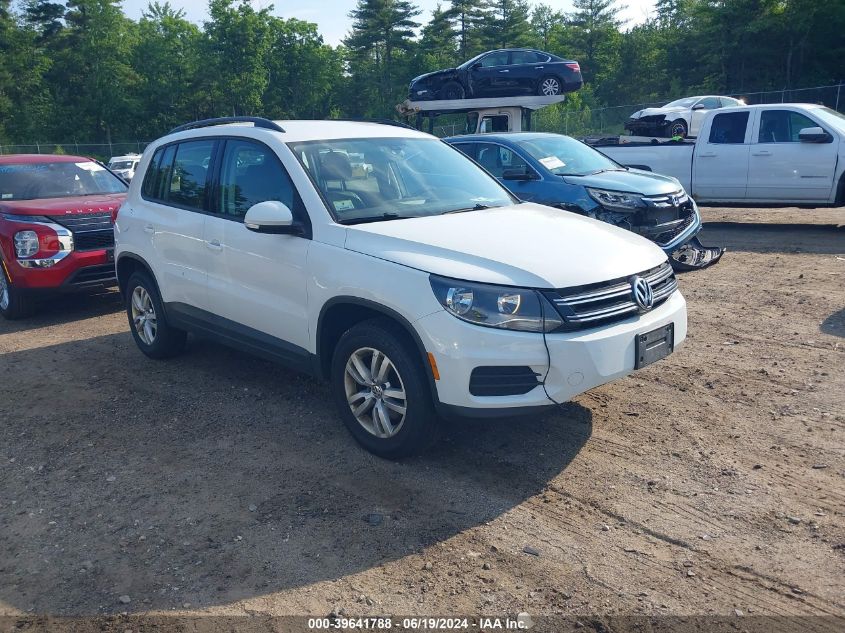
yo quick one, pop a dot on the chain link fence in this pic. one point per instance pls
(100, 151)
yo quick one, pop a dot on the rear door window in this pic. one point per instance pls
(729, 128)
(187, 180)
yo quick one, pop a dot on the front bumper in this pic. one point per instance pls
(580, 360)
(77, 270)
(648, 126)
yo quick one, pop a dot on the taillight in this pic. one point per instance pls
(573, 66)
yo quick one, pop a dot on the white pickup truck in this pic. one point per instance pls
(785, 153)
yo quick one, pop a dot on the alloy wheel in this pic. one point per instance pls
(550, 87)
(375, 392)
(144, 315)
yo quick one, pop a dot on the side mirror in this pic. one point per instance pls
(271, 216)
(518, 174)
(475, 66)
(814, 135)
(698, 106)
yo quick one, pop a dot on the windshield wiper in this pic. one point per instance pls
(477, 207)
(376, 218)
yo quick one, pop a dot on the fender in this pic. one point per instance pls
(388, 312)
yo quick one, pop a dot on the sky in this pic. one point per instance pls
(332, 16)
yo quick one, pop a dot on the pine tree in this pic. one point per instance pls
(469, 17)
(508, 24)
(381, 31)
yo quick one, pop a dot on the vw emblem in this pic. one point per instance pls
(643, 294)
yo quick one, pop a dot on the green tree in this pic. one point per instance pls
(236, 44)
(468, 17)
(380, 47)
(507, 24)
(304, 73)
(166, 60)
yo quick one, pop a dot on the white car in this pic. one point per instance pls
(124, 166)
(420, 290)
(681, 117)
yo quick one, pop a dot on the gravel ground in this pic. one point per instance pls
(712, 483)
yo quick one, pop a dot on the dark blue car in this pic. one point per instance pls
(562, 172)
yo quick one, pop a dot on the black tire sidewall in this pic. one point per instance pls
(20, 305)
(453, 86)
(681, 123)
(419, 430)
(168, 341)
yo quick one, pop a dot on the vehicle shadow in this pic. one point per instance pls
(65, 308)
(834, 324)
(766, 238)
(216, 476)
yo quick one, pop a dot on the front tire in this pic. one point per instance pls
(549, 87)
(452, 90)
(678, 127)
(14, 303)
(147, 321)
(379, 384)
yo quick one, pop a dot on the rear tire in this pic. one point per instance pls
(14, 303)
(452, 90)
(549, 86)
(381, 389)
(678, 127)
(147, 321)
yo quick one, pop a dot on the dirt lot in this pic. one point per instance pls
(710, 483)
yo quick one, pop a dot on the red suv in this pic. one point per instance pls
(56, 227)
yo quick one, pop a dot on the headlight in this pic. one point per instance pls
(496, 306)
(617, 200)
(26, 243)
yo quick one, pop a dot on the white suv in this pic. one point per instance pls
(416, 284)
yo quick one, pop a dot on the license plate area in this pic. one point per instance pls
(654, 345)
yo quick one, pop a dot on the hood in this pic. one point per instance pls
(631, 181)
(448, 71)
(64, 206)
(526, 245)
(656, 111)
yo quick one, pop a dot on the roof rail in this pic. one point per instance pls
(392, 122)
(256, 121)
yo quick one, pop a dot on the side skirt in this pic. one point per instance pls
(241, 337)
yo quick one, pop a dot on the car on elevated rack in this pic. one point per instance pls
(56, 227)
(507, 72)
(416, 286)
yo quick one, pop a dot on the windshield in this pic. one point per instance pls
(33, 181)
(122, 164)
(682, 103)
(831, 117)
(564, 156)
(365, 180)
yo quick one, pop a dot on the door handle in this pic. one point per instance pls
(763, 153)
(214, 245)
(504, 71)
(149, 228)
(539, 67)
(708, 155)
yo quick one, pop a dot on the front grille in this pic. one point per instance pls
(665, 218)
(502, 381)
(91, 275)
(596, 304)
(91, 231)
